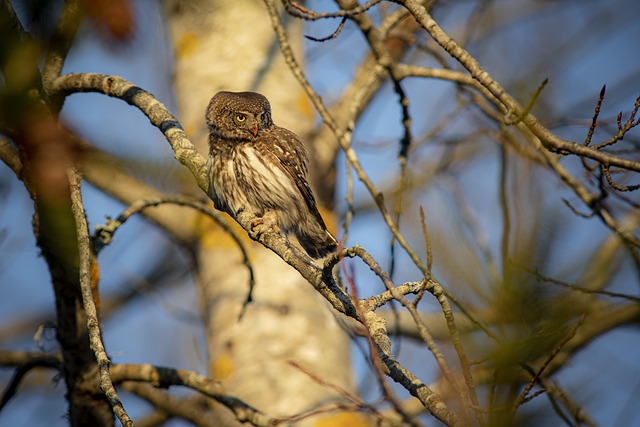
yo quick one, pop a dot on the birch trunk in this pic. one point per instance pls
(230, 45)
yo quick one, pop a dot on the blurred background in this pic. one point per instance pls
(456, 173)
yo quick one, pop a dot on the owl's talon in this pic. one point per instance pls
(260, 225)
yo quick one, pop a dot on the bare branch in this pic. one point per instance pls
(192, 409)
(508, 103)
(523, 395)
(157, 113)
(104, 234)
(93, 323)
(9, 155)
(297, 10)
(25, 362)
(330, 36)
(577, 288)
(607, 174)
(60, 44)
(622, 128)
(166, 377)
(594, 119)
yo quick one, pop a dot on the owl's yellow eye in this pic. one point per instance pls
(240, 118)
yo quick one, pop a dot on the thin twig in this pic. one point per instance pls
(529, 106)
(330, 36)
(510, 106)
(104, 234)
(506, 216)
(427, 242)
(296, 9)
(607, 174)
(523, 395)
(324, 383)
(574, 287)
(622, 129)
(594, 119)
(580, 417)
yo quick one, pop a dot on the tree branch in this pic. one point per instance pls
(165, 377)
(155, 111)
(25, 361)
(511, 107)
(93, 323)
(60, 44)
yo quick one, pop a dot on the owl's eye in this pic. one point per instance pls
(240, 118)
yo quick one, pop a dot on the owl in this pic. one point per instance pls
(258, 167)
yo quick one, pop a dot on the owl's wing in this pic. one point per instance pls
(292, 156)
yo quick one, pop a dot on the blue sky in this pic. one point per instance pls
(577, 62)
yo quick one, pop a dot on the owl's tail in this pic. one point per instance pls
(317, 245)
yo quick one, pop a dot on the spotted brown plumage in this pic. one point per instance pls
(259, 167)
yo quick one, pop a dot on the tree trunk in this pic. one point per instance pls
(231, 46)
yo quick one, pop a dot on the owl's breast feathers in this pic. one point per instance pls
(268, 173)
(249, 176)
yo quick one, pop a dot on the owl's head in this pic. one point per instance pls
(238, 115)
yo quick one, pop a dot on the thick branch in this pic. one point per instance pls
(157, 113)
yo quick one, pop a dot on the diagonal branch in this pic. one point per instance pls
(342, 137)
(510, 106)
(165, 377)
(186, 153)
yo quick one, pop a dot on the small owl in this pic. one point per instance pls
(261, 168)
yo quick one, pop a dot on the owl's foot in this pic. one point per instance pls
(264, 223)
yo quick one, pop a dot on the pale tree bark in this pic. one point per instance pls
(499, 339)
(231, 46)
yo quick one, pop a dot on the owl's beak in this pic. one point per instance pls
(254, 129)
